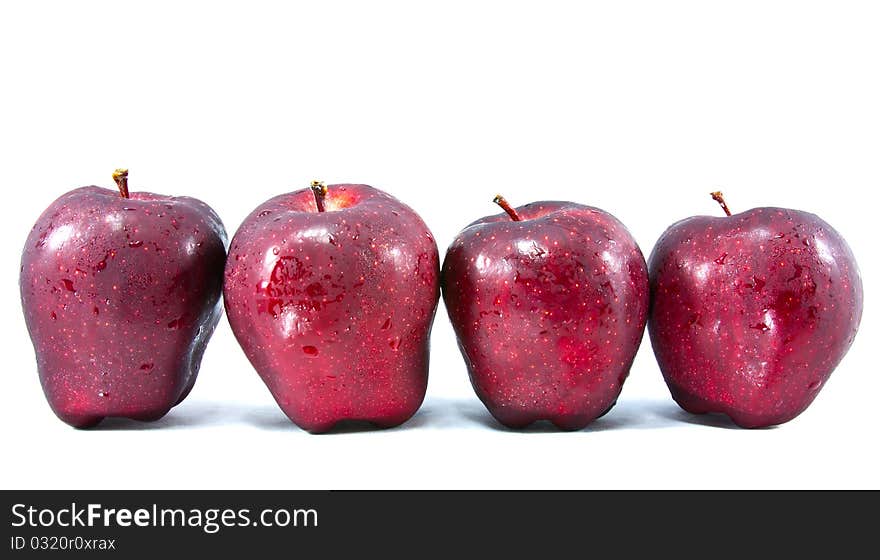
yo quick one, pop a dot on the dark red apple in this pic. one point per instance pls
(752, 312)
(121, 292)
(331, 292)
(549, 303)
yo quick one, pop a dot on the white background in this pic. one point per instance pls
(640, 108)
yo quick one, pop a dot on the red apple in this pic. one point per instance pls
(751, 313)
(549, 303)
(120, 294)
(331, 292)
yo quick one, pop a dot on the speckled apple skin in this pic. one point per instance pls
(334, 309)
(549, 311)
(751, 313)
(120, 297)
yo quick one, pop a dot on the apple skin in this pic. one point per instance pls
(334, 309)
(751, 313)
(549, 311)
(120, 296)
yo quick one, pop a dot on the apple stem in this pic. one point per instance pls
(719, 198)
(319, 189)
(502, 202)
(121, 178)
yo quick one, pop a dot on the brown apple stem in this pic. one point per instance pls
(319, 189)
(121, 178)
(719, 198)
(502, 202)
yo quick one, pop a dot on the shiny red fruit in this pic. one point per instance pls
(549, 310)
(752, 312)
(120, 296)
(334, 307)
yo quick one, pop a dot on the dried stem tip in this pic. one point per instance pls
(319, 189)
(719, 198)
(121, 178)
(502, 202)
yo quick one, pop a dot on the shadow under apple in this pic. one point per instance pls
(638, 414)
(192, 415)
(273, 419)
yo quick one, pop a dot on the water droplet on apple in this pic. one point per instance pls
(68, 285)
(394, 343)
(147, 367)
(174, 324)
(135, 244)
(264, 213)
(387, 324)
(103, 394)
(310, 351)
(758, 283)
